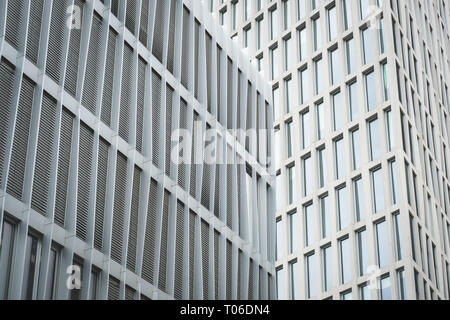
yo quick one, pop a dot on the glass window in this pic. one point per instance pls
(394, 185)
(319, 79)
(398, 243)
(358, 195)
(356, 149)
(385, 288)
(378, 190)
(95, 276)
(277, 147)
(51, 276)
(306, 130)
(327, 268)
(246, 32)
(320, 120)
(374, 139)
(363, 259)
(274, 62)
(384, 70)
(301, 9)
(346, 260)
(311, 276)
(310, 235)
(289, 95)
(332, 24)
(325, 217)
(322, 167)
(307, 177)
(350, 55)
(371, 94)
(288, 61)
(233, 15)
(364, 8)
(343, 215)
(390, 134)
(317, 35)
(302, 44)
(401, 284)
(273, 23)
(364, 292)
(347, 13)
(304, 86)
(347, 295)
(337, 110)
(340, 158)
(313, 5)
(247, 8)
(286, 14)
(289, 138)
(368, 46)
(279, 192)
(293, 232)
(335, 66)
(279, 238)
(353, 100)
(382, 244)
(294, 280)
(6, 256)
(75, 294)
(276, 105)
(30, 268)
(280, 284)
(258, 34)
(291, 184)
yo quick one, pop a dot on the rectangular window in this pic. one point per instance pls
(306, 130)
(273, 23)
(233, 15)
(311, 276)
(293, 232)
(368, 46)
(347, 13)
(327, 263)
(280, 284)
(310, 234)
(332, 24)
(274, 61)
(350, 55)
(385, 288)
(304, 86)
(6, 256)
(364, 8)
(374, 140)
(317, 34)
(320, 120)
(302, 43)
(398, 244)
(279, 239)
(382, 241)
(289, 95)
(322, 167)
(51, 275)
(307, 177)
(364, 292)
(301, 9)
(353, 100)
(393, 176)
(340, 158)
(358, 199)
(286, 15)
(246, 32)
(335, 67)
(401, 284)
(276, 105)
(384, 70)
(258, 34)
(31, 267)
(325, 217)
(347, 295)
(247, 9)
(288, 61)
(363, 258)
(337, 111)
(356, 149)
(389, 128)
(291, 185)
(345, 260)
(289, 138)
(294, 280)
(371, 94)
(319, 79)
(342, 208)
(377, 190)
(279, 192)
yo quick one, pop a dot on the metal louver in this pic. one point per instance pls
(185, 52)
(171, 42)
(156, 118)
(183, 125)
(191, 252)
(34, 29)
(209, 71)
(130, 19)
(206, 180)
(14, 23)
(169, 94)
(119, 208)
(216, 264)
(142, 67)
(158, 33)
(56, 39)
(205, 258)
(229, 269)
(193, 176)
(102, 171)
(108, 83)
(251, 280)
(134, 215)
(179, 251)
(143, 26)
(150, 232)
(115, 7)
(219, 86)
(44, 154)
(130, 293)
(126, 92)
(196, 57)
(164, 239)
(113, 289)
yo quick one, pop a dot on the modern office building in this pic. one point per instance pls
(93, 201)
(361, 109)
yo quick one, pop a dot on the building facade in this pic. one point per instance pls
(361, 118)
(93, 203)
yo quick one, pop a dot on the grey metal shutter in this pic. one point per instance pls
(156, 118)
(260, 282)
(102, 171)
(171, 42)
(206, 180)
(217, 190)
(229, 107)
(205, 258)
(216, 264)
(65, 146)
(240, 196)
(183, 125)
(164, 237)
(238, 107)
(269, 285)
(126, 92)
(34, 29)
(229, 265)
(56, 40)
(84, 177)
(113, 289)
(179, 245)
(142, 67)
(6, 91)
(251, 280)
(169, 94)
(185, 53)
(143, 27)
(196, 57)
(229, 195)
(115, 7)
(193, 176)
(219, 88)
(20, 142)
(108, 82)
(209, 72)
(44, 154)
(119, 208)
(144, 297)
(150, 233)
(91, 76)
(134, 215)
(191, 253)
(14, 20)
(130, 293)
(73, 56)
(241, 272)
(249, 115)
(158, 33)
(130, 19)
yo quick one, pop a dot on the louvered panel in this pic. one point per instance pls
(156, 119)
(144, 297)
(194, 167)
(216, 191)
(14, 19)
(209, 72)
(158, 33)
(240, 196)
(169, 94)
(119, 208)
(108, 81)
(251, 280)
(216, 264)
(65, 145)
(44, 154)
(261, 281)
(185, 54)
(84, 177)
(241, 272)
(171, 42)
(126, 92)
(113, 289)
(56, 39)
(130, 19)
(115, 7)
(229, 269)
(179, 264)
(249, 115)
(134, 215)
(219, 88)
(73, 56)
(34, 29)
(229, 107)
(164, 238)
(183, 125)
(229, 194)
(142, 66)
(102, 171)
(20, 142)
(269, 285)
(130, 293)
(239, 108)
(206, 179)
(90, 87)
(6, 91)
(196, 57)
(205, 258)
(150, 233)
(191, 253)
(143, 27)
